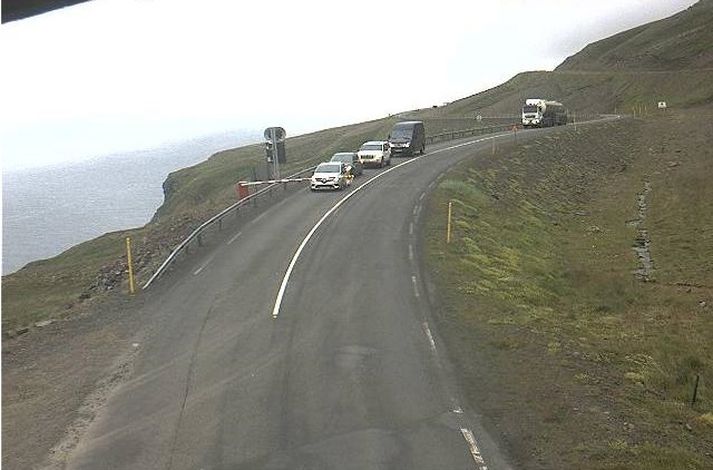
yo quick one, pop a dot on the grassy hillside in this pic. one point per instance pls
(580, 278)
(586, 93)
(587, 365)
(682, 41)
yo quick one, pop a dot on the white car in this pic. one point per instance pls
(375, 153)
(330, 175)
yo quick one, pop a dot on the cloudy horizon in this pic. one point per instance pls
(110, 75)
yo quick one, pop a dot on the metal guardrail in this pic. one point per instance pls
(459, 134)
(218, 217)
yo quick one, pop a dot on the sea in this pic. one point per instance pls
(50, 209)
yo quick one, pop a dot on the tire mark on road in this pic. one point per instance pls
(190, 377)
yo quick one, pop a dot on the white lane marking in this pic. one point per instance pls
(291, 266)
(410, 228)
(418, 211)
(420, 198)
(203, 266)
(427, 331)
(415, 287)
(431, 184)
(257, 219)
(235, 237)
(410, 252)
(415, 210)
(474, 451)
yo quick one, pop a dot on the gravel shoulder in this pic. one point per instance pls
(48, 373)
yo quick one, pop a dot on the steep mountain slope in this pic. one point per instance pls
(593, 348)
(668, 60)
(682, 41)
(586, 93)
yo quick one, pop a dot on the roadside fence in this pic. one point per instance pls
(459, 134)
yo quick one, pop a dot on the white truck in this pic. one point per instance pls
(539, 112)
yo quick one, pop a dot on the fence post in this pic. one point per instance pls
(695, 390)
(130, 263)
(448, 226)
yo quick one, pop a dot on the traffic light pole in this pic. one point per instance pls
(275, 159)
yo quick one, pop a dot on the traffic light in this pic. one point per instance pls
(269, 152)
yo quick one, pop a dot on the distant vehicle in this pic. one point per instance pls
(407, 138)
(375, 153)
(330, 175)
(543, 113)
(351, 159)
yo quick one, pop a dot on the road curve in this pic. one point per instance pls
(350, 375)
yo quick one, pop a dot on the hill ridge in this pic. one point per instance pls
(679, 42)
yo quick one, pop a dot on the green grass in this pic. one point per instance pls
(538, 284)
(52, 288)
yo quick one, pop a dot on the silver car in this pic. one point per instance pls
(330, 175)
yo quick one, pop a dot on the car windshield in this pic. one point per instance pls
(529, 109)
(371, 147)
(333, 168)
(401, 133)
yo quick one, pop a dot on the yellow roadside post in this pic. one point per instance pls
(448, 229)
(131, 268)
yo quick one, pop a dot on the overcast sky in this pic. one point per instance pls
(116, 75)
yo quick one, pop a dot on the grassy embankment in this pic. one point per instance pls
(576, 362)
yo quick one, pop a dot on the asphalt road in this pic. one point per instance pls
(348, 375)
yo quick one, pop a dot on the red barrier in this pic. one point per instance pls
(242, 189)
